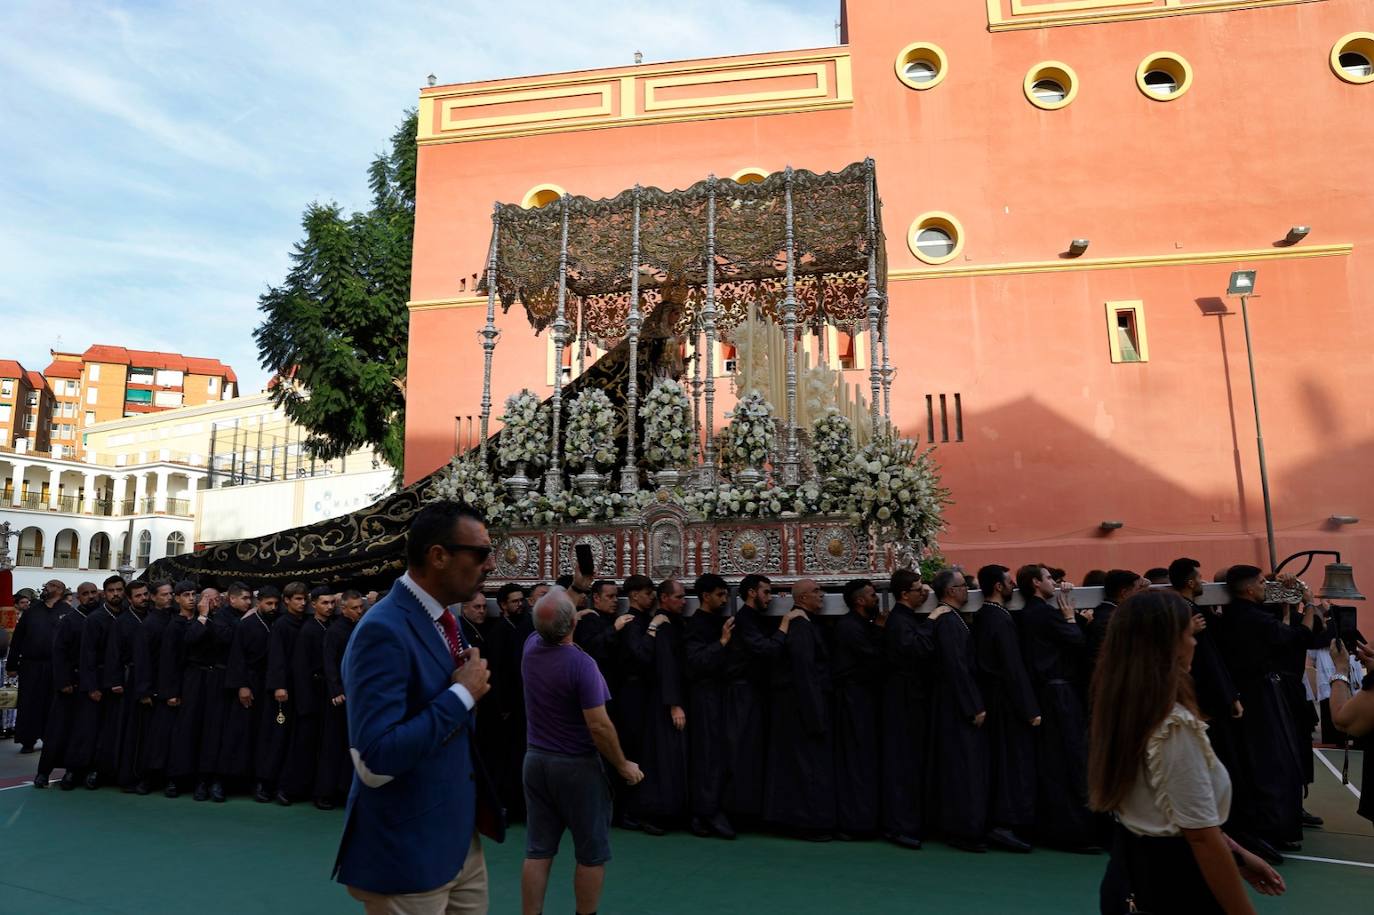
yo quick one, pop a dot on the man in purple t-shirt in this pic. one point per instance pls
(565, 782)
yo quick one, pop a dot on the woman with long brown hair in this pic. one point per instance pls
(1151, 766)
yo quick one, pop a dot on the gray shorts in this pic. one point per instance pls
(567, 792)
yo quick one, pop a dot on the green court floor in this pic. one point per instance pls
(105, 852)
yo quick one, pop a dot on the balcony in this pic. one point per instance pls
(33, 502)
(104, 507)
(63, 560)
(179, 507)
(29, 558)
(69, 504)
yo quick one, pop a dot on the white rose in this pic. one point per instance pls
(884, 513)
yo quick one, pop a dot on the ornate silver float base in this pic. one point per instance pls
(517, 484)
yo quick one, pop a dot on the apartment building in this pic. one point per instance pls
(25, 408)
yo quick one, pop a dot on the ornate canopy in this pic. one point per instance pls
(833, 220)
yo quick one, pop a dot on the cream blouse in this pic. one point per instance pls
(1181, 783)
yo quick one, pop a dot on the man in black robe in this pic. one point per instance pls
(958, 779)
(857, 669)
(123, 718)
(309, 698)
(661, 801)
(31, 658)
(711, 668)
(1256, 644)
(908, 648)
(800, 790)
(86, 756)
(479, 631)
(224, 619)
(154, 722)
(635, 663)
(1118, 585)
(508, 642)
(185, 645)
(756, 635)
(244, 674)
(1053, 643)
(278, 715)
(595, 632)
(1013, 713)
(1217, 696)
(66, 680)
(334, 770)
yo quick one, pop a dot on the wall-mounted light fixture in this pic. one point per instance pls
(1078, 246)
(1297, 234)
(1112, 525)
(1342, 520)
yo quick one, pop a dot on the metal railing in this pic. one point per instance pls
(179, 507)
(126, 507)
(64, 560)
(104, 507)
(29, 558)
(33, 501)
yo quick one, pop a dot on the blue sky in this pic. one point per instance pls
(155, 157)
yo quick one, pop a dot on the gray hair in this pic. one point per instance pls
(554, 615)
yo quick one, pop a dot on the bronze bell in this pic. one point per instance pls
(1339, 583)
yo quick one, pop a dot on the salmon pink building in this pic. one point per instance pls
(1067, 186)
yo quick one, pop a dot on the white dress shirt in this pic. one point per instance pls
(436, 610)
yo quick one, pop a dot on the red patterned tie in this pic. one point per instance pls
(451, 636)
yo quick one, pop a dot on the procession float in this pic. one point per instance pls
(663, 458)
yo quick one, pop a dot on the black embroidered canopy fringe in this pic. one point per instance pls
(831, 238)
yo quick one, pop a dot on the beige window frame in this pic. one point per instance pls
(1136, 309)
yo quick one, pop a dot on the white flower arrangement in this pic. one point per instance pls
(894, 491)
(525, 438)
(591, 425)
(467, 480)
(832, 443)
(667, 426)
(748, 440)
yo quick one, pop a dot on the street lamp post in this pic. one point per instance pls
(1243, 285)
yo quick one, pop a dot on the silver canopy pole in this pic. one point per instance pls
(629, 476)
(489, 333)
(553, 477)
(707, 476)
(888, 370)
(874, 300)
(790, 463)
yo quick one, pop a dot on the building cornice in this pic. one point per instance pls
(786, 82)
(1013, 15)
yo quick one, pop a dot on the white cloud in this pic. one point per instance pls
(155, 157)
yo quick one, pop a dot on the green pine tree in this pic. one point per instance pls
(335, 330)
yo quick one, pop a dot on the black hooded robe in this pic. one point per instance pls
(1010, 700)
(857, 670)
(958, 797)
(800, 790)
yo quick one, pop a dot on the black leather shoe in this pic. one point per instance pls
(816, 835)
(260, 794)
(966, 845)
(142, 788)
(652, 829)
(92, 780)
(25, 750)
(323, 803)
(1287, 846)
(68, 781)
(699, 828)
(1006, 840)
(202, 792)
(629, 822)
(1262, 849)
(171, 790)
(910, 842)
(1312, 820)
(721, 826)
(40, 781)
(282, 799)
(217, 793)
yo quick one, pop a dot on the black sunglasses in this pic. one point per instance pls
(479, 552)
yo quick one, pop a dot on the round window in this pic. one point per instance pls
(1051, 85)
(935, 238)
(1164, 76)
(1352, 57)
(1161, 83)
(921, 65)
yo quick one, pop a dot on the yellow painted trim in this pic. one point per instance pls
(531, 198)
(752, 171)
(624, 83)
(1360, 43)
(939, 220)
(922, 50)
(448, 106)
(1019, 7)
(997, 22)
(654, 84)
(1114, 341)
(467, 301)
(1173, 64)
(1123, 263)
(1059, 72)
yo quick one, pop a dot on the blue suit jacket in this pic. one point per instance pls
(410, 834)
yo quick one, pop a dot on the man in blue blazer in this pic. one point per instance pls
(410, 842)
